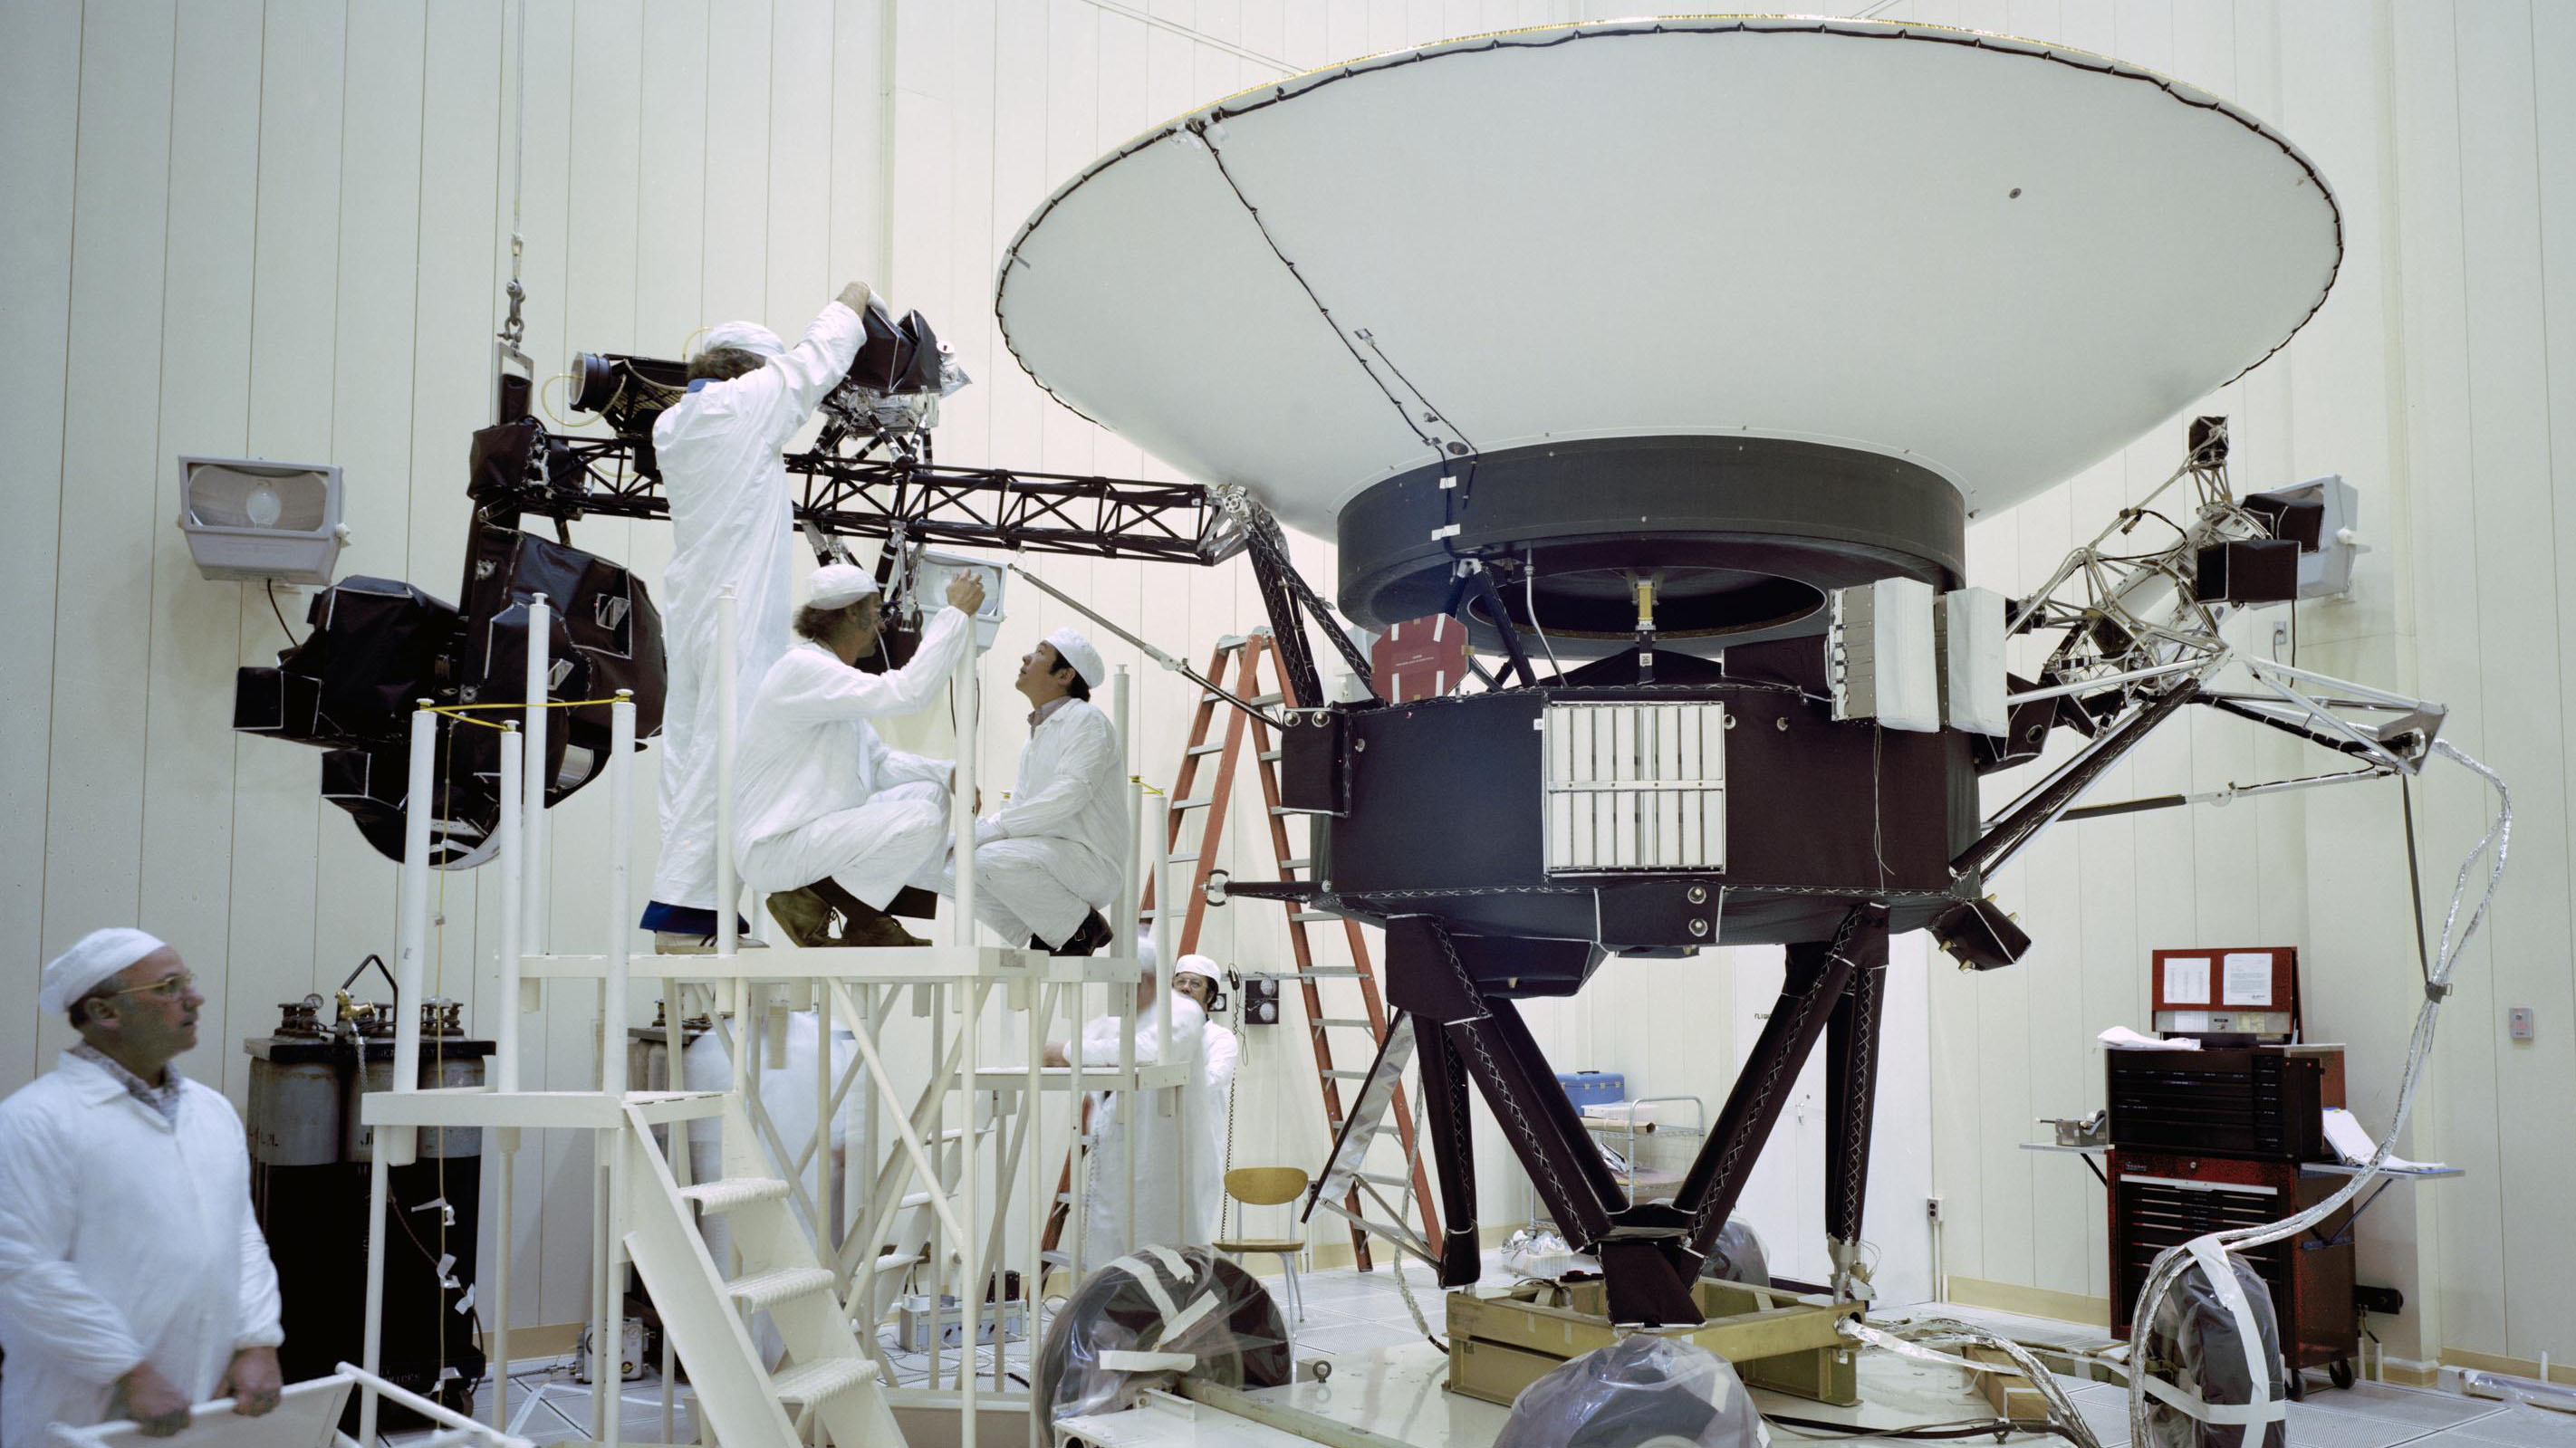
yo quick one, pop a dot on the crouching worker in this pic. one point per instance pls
(1046, 861)
(834, 823)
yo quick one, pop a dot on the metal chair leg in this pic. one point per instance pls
(1296, 1294)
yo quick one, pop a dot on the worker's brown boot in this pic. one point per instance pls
(863, 924)
(805, 915)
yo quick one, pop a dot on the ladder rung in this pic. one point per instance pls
(1189, 859)
(1182, 804)
(1331, 972)
(1272, 756)
(1308, 917)
(1056, 1257)
(1338, 1073)
(1298, 862)
(1383, 1180)
(1266, 700)
(730, 1192)
(1354, 1022)
(1199, 749)
(1284, 811)
(777, 1285)
(817, 1381)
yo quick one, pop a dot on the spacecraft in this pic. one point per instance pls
(1674, 357)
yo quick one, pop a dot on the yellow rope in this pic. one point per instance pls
(460, 712)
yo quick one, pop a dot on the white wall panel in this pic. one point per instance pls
(40, 67)
(94, 807)
(186, 863)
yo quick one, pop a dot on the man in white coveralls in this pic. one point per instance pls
(829, 818)
(1048, 859)
(732, 526)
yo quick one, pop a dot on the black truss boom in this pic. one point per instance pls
(880, 496)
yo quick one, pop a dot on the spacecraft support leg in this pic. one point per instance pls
(1817, 976)
(1494, 1047)
(1444, 1109)
(1851, 1067)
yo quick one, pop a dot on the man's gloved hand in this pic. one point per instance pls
(855, 297)
(252, 1381)
(966, 593)
(154, 1403)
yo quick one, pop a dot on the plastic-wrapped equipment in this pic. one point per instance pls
(1738, 1255)
(1643, 1391)
(1543, 1256)
(1131, 1325)
(2215, 1338)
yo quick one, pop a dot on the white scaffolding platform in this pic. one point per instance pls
(915, 1172)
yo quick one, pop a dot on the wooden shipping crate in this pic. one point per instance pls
(1501, 1344)
(2009, 1392)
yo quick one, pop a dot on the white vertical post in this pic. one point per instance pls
(605, 1349)
(392, 1141)
(506, 1139)
(961, 807)
(970, 1290)
(532, 914)
(1033, 1181)
(621, 849)
(514, 864)
(1123, 928)
(970, 1295)
(728, 928)
(1166, 939)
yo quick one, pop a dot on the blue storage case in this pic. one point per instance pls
(1593, 1088)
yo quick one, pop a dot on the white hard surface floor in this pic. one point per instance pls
(1387, 1381)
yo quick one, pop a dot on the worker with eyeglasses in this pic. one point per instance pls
(134, 1283)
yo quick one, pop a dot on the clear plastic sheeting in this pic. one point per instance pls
(1543, 1256)
(2226, 1391)
(1131, 1325)
(1738, 1255)
(1641, 1392)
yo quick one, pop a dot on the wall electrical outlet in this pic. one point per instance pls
(2517, 1023)
(1932, 1208)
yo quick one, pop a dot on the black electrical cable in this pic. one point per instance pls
(281, 615)
(1996, 1428)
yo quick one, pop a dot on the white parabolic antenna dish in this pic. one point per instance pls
(1997, 259)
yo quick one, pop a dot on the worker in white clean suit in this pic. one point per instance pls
(830, 820)
(1159, 1125)
(732, 526)
(1047, 861)
(1219, 1049)
(133, 1279)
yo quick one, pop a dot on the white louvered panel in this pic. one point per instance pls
(1671, 851)
(1686, 745)
(1635, 787)
(1603, 812)
(1624, 772)
(1712, 802)
(1560, 804)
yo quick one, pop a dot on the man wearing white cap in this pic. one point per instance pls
(133, 1278)
(732, 526)
(1047, 860)
(830, 820)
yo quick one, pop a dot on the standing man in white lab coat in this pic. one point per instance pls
(133, 1279)
(1048, 860)
(1209, 1106)
(1157, 1214)
(831, 821)
(732, 526)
